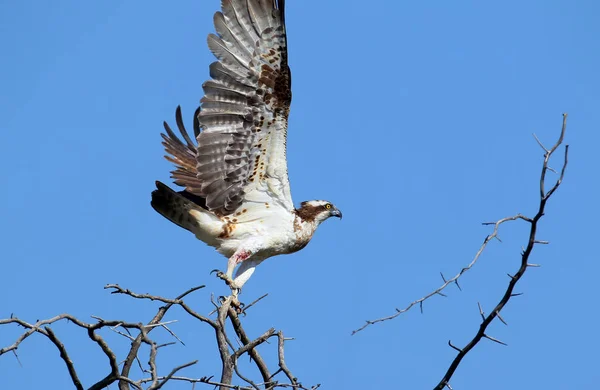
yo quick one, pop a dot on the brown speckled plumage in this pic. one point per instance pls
(247, 99)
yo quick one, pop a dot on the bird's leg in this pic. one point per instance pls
(233, 261)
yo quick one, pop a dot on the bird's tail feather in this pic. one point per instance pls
(174, 206)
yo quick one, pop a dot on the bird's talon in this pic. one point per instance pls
(223, 276)
(237, 305)
(218, 272)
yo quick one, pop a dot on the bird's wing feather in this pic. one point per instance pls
(242, 123)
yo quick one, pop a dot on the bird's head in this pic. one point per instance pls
(317, 211)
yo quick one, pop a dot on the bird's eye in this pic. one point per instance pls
(328, 206)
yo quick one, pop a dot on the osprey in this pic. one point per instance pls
(237, 193)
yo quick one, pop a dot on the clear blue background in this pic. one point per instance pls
(414, 118)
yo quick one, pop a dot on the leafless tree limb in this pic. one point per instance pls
(253, 303)
(241, 334)
(447, 282)
(65, 357)
(282, 364)
(532, 241)
(226, 316)
(544, 196)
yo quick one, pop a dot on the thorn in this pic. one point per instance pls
(497, 238)
(443, 278)
(501, 319)
(17, 357)
(453, 347)
(421, 306)
(533, 265)
(206, 379)
(510, 276)
(540, 143)
(494, 339)
(442, 294)
(165, 344)
(481, 311)
(457, 285)
(541, 242)
(515, 294)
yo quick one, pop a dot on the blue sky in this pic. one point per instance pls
(414, 118)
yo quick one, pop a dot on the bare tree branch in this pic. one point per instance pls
(508, 294)
(447, 282)
(493, 235)
(281, 356)
(229, 354)
(254, 355)
(65, 357)
(254, 343)
(171, 374)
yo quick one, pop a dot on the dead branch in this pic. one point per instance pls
(544, 196)
(532, 241)
(282, 365)
(490, 237)
(226, 316)
(254, 355)
(447, 282)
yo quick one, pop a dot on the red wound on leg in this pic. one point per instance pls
(243, 255)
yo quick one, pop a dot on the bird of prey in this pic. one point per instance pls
(236, 195)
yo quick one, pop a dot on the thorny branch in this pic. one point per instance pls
(514, 279)
(509, 293)
(490, 237)
(447, 282)
(229, 354)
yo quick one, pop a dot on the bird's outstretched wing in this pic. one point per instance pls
(241, 125)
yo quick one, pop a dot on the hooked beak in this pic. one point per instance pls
(336, 213)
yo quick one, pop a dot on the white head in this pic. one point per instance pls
(317, 211)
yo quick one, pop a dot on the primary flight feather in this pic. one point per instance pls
(236, 194)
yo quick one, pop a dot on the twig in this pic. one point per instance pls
(447, 282)
(254, 303)
(247, 380)
(254, 343)
(171, 374)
